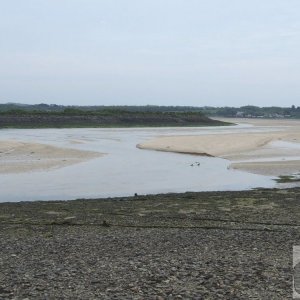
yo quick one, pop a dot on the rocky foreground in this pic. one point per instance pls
(217, 245)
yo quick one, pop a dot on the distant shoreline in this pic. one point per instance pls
(111, 119)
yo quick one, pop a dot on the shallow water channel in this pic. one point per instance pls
(125, 169)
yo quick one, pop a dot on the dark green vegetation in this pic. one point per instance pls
(57, 116)
(288, 178)
(244, 111)
(217, 245)
(75, 117)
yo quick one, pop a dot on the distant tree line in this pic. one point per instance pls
(73, 117)
(130, 108)
(244, 111)
(251, 111)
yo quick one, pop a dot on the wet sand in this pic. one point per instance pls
(240, 148)
(272, 168)
(17, 157)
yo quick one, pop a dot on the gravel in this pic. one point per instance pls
(127, 259)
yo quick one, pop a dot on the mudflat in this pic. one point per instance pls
(16, 157)
(214, 245)
(241, 148)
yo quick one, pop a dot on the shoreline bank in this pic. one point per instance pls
(181, 246)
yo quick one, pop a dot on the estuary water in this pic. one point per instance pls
(124, 170)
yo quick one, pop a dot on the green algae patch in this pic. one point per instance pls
(255, 210)
(288, 178)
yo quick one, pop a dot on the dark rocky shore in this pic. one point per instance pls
(217, 245)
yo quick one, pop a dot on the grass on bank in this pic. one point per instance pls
(75, 118)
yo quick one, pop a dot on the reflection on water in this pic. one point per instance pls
(125, 170)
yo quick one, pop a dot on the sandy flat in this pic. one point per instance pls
(271, 168)
(16, 157)
(262, 122)
(242, 147)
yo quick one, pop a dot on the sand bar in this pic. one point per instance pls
(242, 147)
(17, 157)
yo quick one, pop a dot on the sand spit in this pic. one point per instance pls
(213, 145)
(242, 147)
(269, 168)
(225, 145)
(17, 157)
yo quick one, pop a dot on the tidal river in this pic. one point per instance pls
(123, 169)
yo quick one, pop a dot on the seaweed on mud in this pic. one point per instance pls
(288, 178)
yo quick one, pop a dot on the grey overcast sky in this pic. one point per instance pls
(157, 52)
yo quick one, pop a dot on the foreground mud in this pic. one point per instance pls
(218, 245)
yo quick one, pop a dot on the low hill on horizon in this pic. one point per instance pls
(74, 117)
(243, 111)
